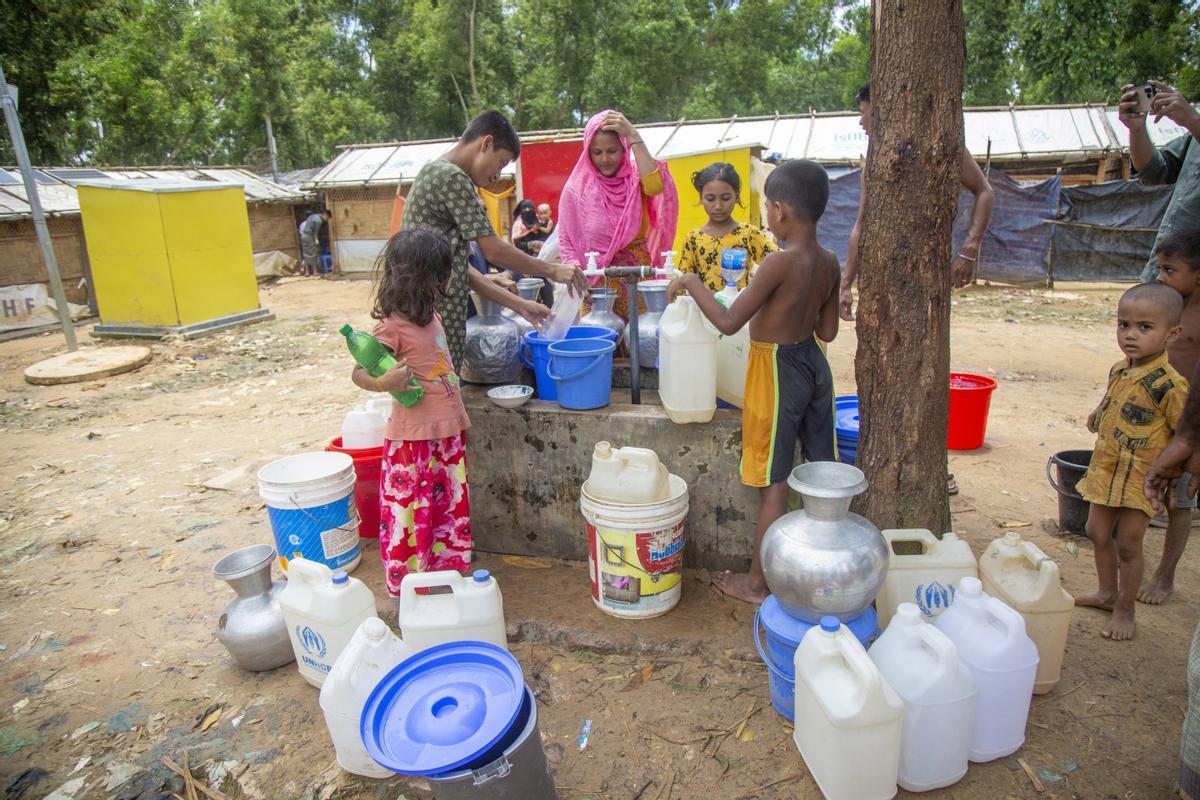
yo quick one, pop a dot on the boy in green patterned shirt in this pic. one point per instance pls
(444, 197)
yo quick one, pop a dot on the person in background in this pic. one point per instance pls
(425, 516)
(444, 197)
(524, 224)
(1177, 162)
(618, 201)
(1182, 457)
(1178, 256)
(545, 222)
(720, 189)
(962, 267)
(310, 241)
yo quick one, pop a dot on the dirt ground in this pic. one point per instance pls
(109, 660)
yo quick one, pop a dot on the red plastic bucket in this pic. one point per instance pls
(368, 464)
(970, 399)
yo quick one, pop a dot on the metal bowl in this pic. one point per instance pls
(512, 396)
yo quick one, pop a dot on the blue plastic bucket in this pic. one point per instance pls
(784, 633)
(582, 368)
(310, 502)
(846, 426)
(535, 354)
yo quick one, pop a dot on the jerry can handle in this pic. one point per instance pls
(425, 580)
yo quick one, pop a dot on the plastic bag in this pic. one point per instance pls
(549, 251)
(567, 303)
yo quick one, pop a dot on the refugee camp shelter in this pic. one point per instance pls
(169, 257)
(361, 186)
(271, 209)
(1043, 161)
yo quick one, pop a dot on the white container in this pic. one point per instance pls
(923, 570)
(733, 355)
(1020, 574)
(472, 610)
(635, 552)
(687, 363)
(372, 653)
(322, 609)
(848, 718)
(363, 429)
(922, 665)
(992, 643)
(310, 502)
(381, 406)
(627, 475)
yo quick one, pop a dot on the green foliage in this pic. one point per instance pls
(190, 81)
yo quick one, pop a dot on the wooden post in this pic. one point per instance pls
(913, 174)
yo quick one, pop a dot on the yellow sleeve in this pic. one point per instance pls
(1176, 399)
(652, 183)
(759, 245)
(689, 259)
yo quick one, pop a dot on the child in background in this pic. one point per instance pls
(1133, 423)
(1178, 267)
(544, 223)
(789, 388)
(720, 190)
(425, 521)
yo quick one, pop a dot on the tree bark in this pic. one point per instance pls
(471, 57)
(912, 176)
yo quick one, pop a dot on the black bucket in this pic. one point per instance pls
(1072, 508)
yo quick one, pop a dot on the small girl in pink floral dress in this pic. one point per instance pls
(425, 519)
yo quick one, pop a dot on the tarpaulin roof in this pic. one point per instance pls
(1015, 133)
(56, 186)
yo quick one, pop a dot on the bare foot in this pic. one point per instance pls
(1155, 591)
(1101, 600)
(742, 587)
(1121, 627)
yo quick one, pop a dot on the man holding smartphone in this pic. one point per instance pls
(1177, 162)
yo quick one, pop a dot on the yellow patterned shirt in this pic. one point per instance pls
(702, 253)
(1137, 419)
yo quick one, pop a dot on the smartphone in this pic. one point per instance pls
(1144, 95)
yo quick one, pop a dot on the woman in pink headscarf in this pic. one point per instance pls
(618, 202)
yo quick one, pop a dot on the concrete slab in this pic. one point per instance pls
(527, 466)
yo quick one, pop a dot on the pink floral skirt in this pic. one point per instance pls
(425, 515)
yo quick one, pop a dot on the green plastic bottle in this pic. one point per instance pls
(377, 360)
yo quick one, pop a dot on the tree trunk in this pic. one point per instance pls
(471, 58)
(913, 174)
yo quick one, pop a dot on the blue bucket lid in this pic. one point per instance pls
(789, 630)
(846, 416)
(443, 708)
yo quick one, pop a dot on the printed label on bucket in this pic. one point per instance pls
(326, 534)
(636, 574)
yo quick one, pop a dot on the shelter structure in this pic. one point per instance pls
(270, 207)
(1063, 147)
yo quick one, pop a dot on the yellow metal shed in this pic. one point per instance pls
(169, 256)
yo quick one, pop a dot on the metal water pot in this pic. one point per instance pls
(822, 559)
(528, 288)
(602, 300)
(654, 293)
(251, 626)
(492, 347)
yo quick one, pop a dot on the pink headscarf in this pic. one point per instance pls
(605, 214)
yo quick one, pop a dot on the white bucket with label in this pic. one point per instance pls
(635, 552)
(310, 502)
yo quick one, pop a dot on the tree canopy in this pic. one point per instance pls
(190, 81)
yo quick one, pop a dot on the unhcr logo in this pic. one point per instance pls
(312, 642)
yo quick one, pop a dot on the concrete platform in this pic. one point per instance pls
(527, 465)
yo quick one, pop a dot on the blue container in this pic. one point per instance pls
(535, 354)
(846, 425)
(582, 368)
(784, 633)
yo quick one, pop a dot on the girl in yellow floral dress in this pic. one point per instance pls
(720, 190)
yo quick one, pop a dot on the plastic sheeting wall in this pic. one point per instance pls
(1014, 248)
(1108, 230)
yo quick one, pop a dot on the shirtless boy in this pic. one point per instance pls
(789, 388)
(1178, 256)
